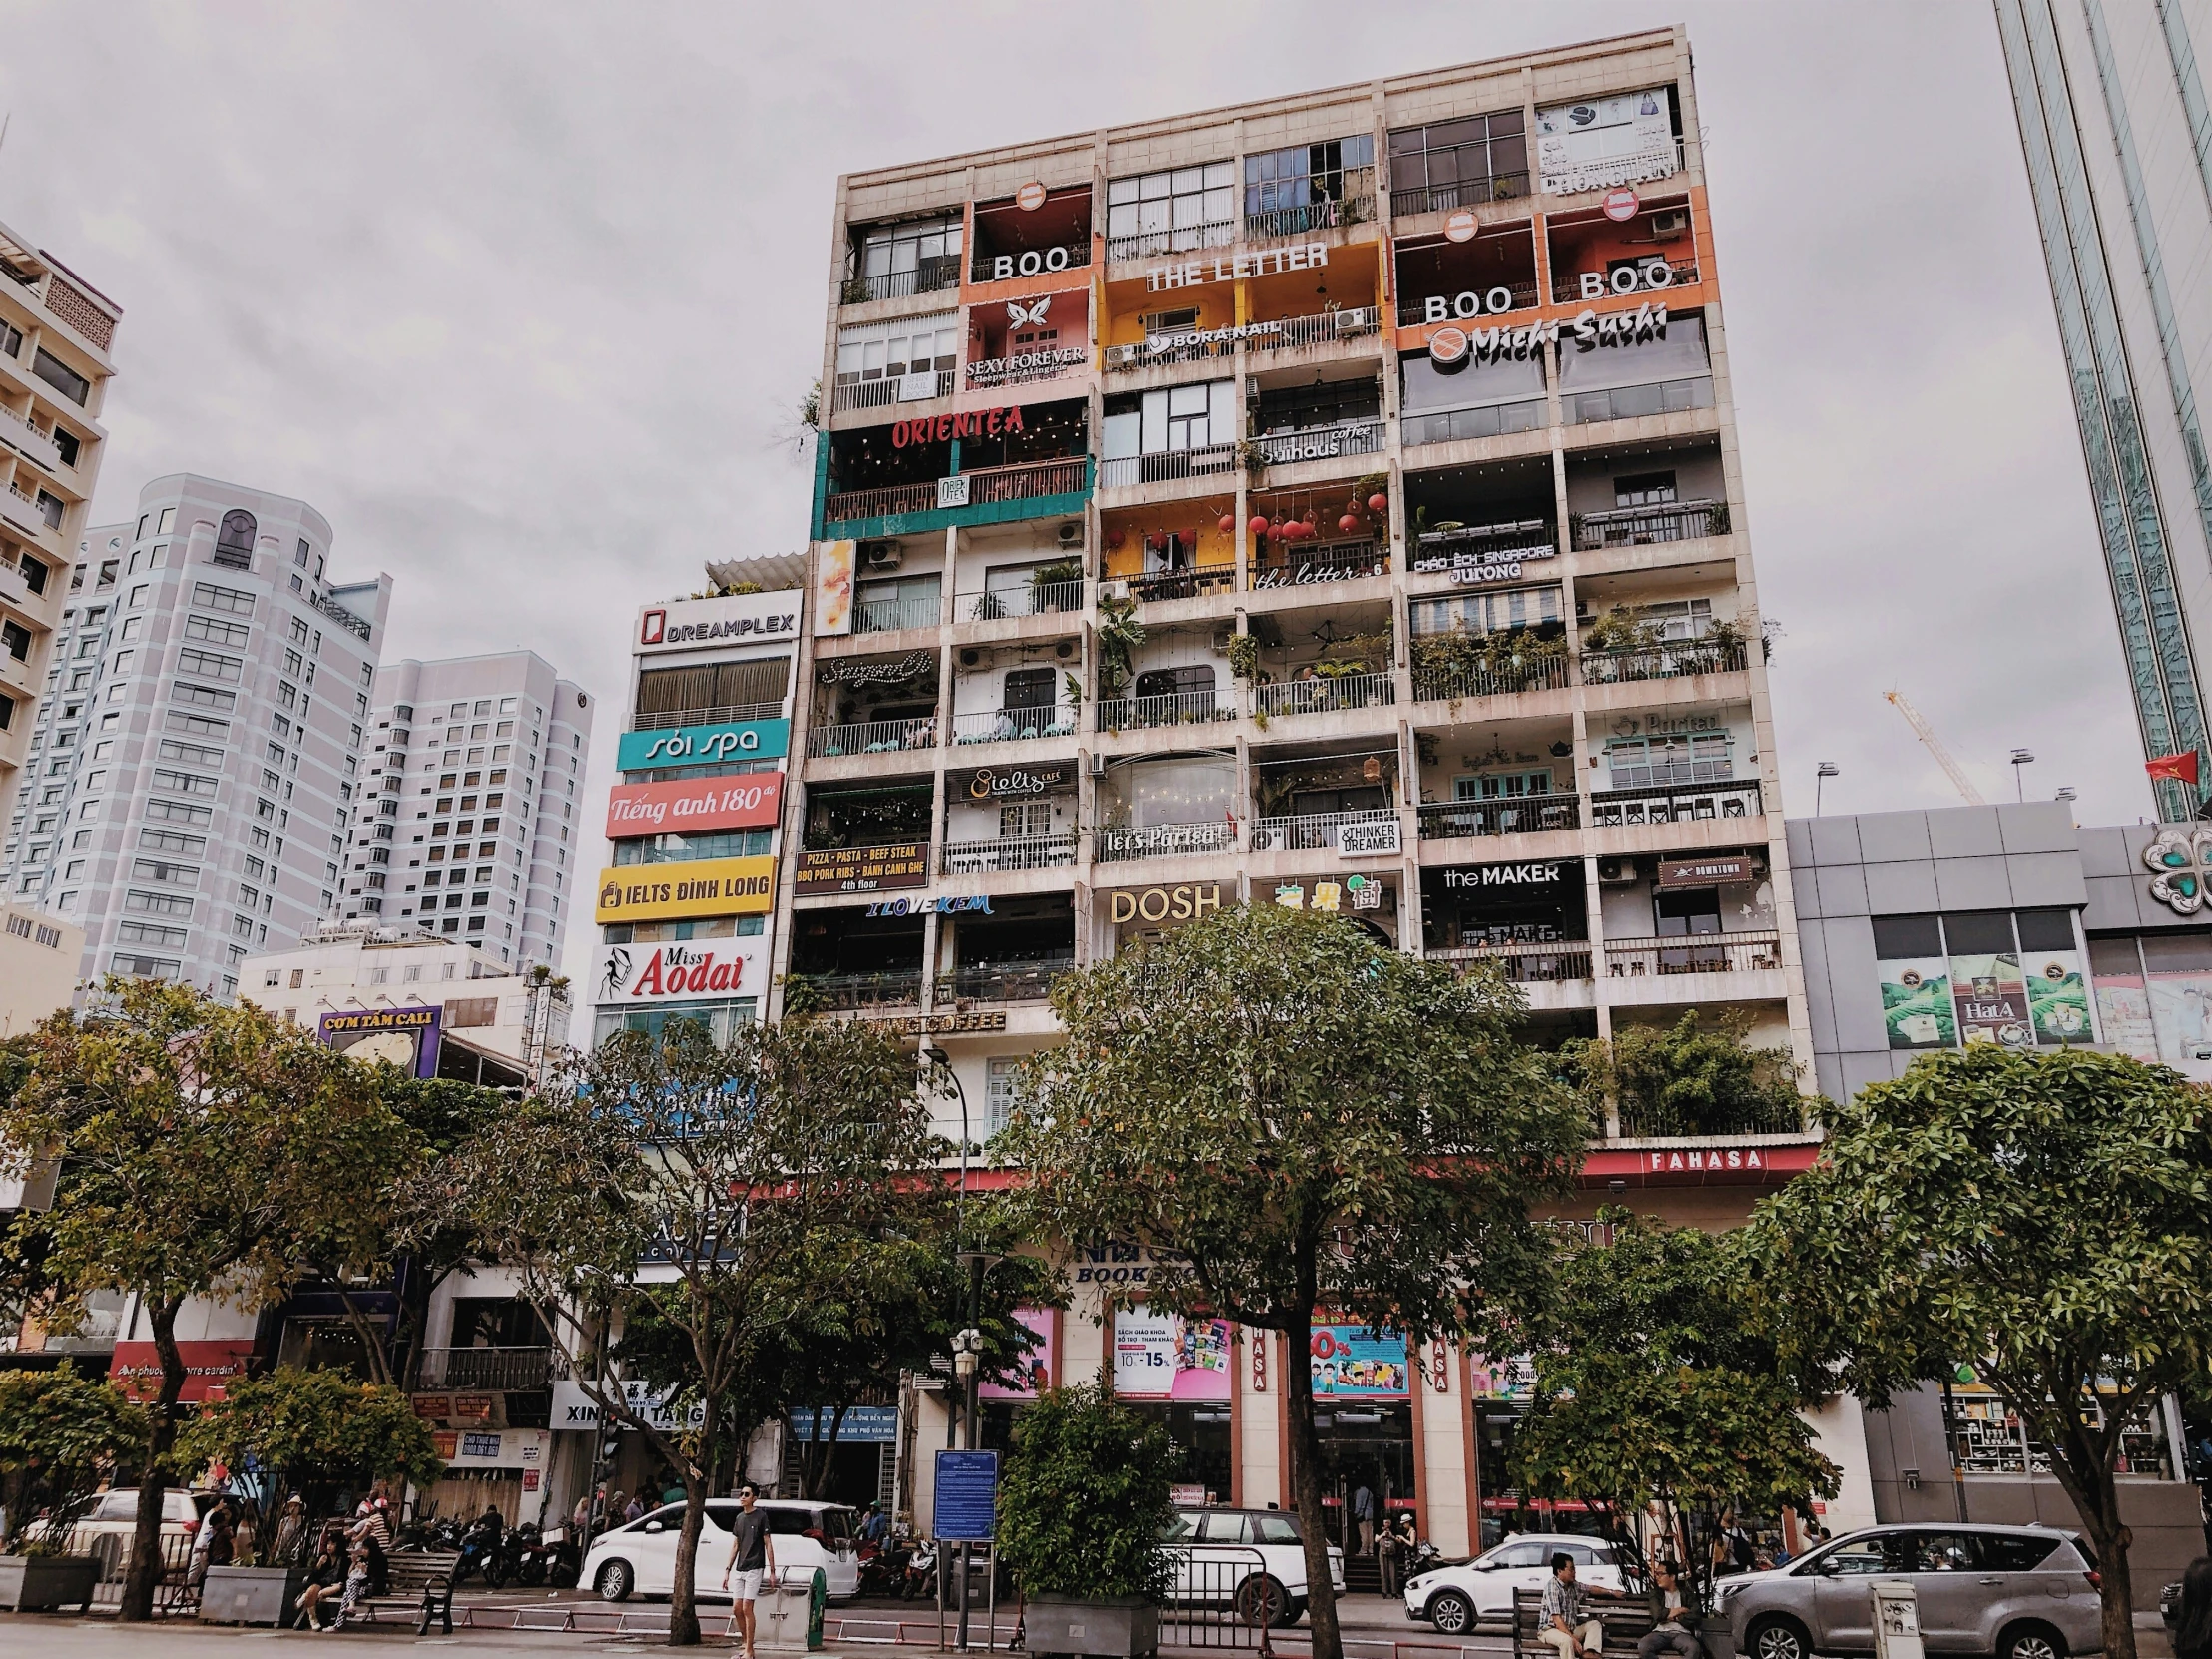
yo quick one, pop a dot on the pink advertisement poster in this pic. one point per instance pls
(1041, 1361)
(1164, 1356)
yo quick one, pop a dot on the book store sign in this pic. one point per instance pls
(1271, 262)
(862, 868)
(1705, 872)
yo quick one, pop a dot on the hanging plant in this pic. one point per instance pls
(1119, 636)
(1244, 656)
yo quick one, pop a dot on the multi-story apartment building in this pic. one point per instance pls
(2118, 139)
(56, 331)
(468, 822)
(194, 765)
(1332, 501)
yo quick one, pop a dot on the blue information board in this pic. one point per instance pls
(967, 1497)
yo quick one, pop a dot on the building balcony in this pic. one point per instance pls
(1676, 803)
(1492, 420)
(1442, 551)
(882, 393)
(1574, 286)
(1664, 662)
(1777, 1117)
(1463, 193)
(1580, 408)
(1190, 238)
(1165, 840)
(1008, 853)
(1025, 481)
(1323, 694)
(1170, 350)
(1355, 206)
(1014, 725)
(1417, 312)
(888, 616)
(873, 736)
(1693, 954)
(1642, 526)
(865, 992)
(27, 515)
(1198, 708)
(1317, 832)
(990, 267)
(1167, 466)
(1301, 565)
(931, 275)
(1189, 583)
(988, 495)
(668, 720)
(1297, 333)
(1558, 961)
(1520, 814)
(1027, 368)
(27, 440)
(1004, 982)
(1537, 674)
(521, 1370)
(1037, 599)
(1322, 443)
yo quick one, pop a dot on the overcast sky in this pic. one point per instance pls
(521, 297)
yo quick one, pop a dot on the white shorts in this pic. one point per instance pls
(746, 1586)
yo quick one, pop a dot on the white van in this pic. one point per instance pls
(640, 1558)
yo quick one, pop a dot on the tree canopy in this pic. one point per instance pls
(1300, 1120)
(2043, 1218)
(60, 1433)
(1084, 1498)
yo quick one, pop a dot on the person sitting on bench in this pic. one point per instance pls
(1672, 1634)
(1560, 1624)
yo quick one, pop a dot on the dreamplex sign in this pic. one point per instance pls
(1447, 347)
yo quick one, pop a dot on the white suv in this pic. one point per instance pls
(1251, 1561)
(1455, 1598)
(640, 1558)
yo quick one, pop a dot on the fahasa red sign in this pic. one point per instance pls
(137, 1367)
(748, 801)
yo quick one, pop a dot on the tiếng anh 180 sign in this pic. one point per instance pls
(673, 892)
(691, 746)
(695, 804)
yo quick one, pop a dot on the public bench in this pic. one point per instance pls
(419, 1581)
(1626, 1623)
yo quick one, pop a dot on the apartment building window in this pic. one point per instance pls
(1172, 432)
(718, 687)
(17, 639)
(1644, 489)
(896, 260)
(1647, 763)
(1171, 212)
(896, 362)
(233, 542)
(1488, 613)
(1309, 186)
(215, 598)
(61, 377)
(999, 1094)
(1457, 163)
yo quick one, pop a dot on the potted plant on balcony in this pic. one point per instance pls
(60, 1434)
(1081, 1512)
(310, 1433)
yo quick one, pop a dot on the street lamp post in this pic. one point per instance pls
(1821, 774)
(2020, 758)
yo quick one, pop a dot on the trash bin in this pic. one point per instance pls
(817, 1603)
(1897, 1619)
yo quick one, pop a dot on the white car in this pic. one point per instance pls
(1456, 1598)
(1246, 1560)
(640, 1558)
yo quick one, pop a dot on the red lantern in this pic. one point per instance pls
(1257, 527)
(1227, 525)
(1114, 540)
(1348, 524)
(1378, 504)
(1293, 531)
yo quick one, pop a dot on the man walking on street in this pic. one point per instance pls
(1362, 1516)
(1560, 1624)
(752, 1553)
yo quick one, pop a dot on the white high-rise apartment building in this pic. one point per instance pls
(470, 826)
(194, 771)
(55, 334)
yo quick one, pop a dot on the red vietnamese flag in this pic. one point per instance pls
(2182, 766)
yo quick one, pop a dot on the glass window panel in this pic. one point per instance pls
(1979, 932)
(1900, 936)
(1121, 189)
(1220, 172)
(2042, 931)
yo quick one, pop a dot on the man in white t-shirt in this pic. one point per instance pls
(752, 1553)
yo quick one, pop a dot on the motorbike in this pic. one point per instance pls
(564, 1559)
(532, 1554)
(483, 1550)
(922, 1573)
(883, 1566)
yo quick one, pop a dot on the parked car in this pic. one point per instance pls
(1251, 1561)
(1458, 1597)
(640, 1558)
(105, 1531)
(2018, 1592)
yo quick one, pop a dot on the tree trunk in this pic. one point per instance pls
(2097, 1500)
(1298, 1396)
(147, 1564)
(683, 1609)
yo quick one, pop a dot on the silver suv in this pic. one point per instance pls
(2018, 1592)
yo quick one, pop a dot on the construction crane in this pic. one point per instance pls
(1926, 734)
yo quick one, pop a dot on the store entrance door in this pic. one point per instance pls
(1368, 1445)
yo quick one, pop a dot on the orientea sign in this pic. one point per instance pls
(748, 801)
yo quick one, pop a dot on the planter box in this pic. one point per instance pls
(1119, 1627)
(44, 1583)
(248, 1595)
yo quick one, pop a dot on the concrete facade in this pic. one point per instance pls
(39, 953)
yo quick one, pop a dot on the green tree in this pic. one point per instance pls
(443, 1117)
(203, 1152)
(312, 1430)
(2044, 1218)
(1688, 1078)
(1300, 1120)
(1657, 1396)
(60, 1433)
(715, 1196)
(1084, 1500)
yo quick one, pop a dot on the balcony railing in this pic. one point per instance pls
(1026, 480)
(1300, 565)
(882, 393)
(850, 992)
(520, 1368)
(873, 736)
(1035, 599)
(1123, 714)
(1677, 803)
(1355, 206)
(885, 616)
(1323, 694)
(1029, 262)
(1183, 584)
(1518, 815)
(1013, 724)
(1008, 853)
(1640, 526)
(1167, 465)
(1462, 193)
(728, 714)
(1750, 1117)
(1491, 422)
(18, 433)
(1145, 245)
(1003, 981)
(1165, 840)
(1411, 313)
(927, 277)
(1312, 832)
(1440, 550)
(1554, 963)
(1662, 662)
(1693, 954)
(1323, 444)
(1188, 345)
(1565, 291)
(1534, 673)
(884, 502)
(1629, 402)
(1295, 333)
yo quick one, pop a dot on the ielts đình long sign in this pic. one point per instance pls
(750, 800)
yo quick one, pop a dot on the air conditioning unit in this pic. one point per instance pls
(1616, 870)
(1071, 534)
(1223, 635)
(1064, 650)
(1270, 841)
(969, 658)
(881, 555)
(1098, 765)
(1671, 223)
